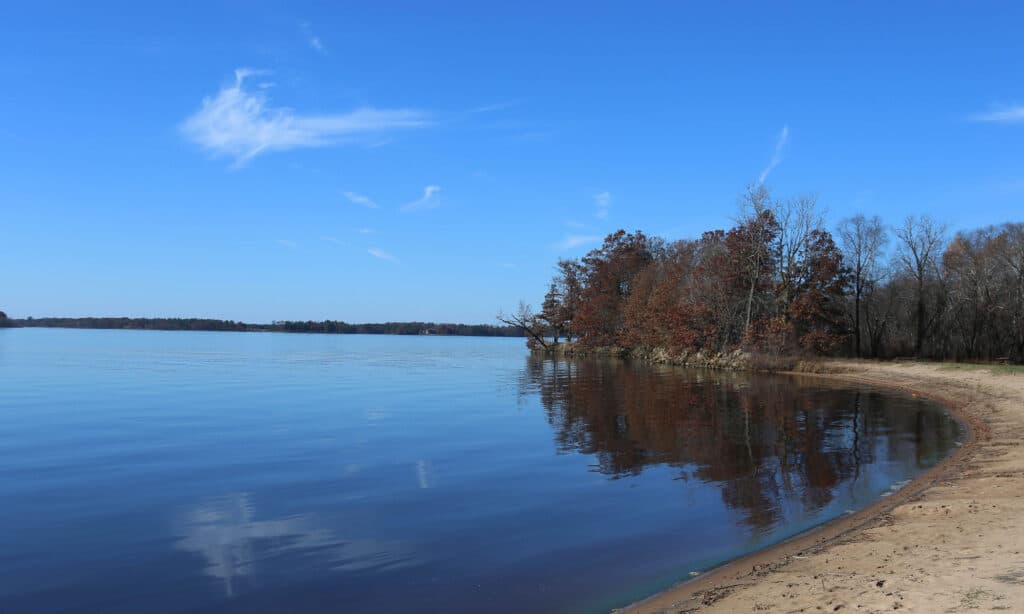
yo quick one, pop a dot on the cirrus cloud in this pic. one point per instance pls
(572, 241)
(242, 125)
(383, 255)
(359, 199)
(780, 146)
(429, 200)
(1004, 115)
(603, 202)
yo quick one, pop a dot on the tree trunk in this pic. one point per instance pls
(858, 290)
(920, 319)
(750, 304)
(856, 324)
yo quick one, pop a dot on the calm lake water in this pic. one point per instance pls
(179, 471)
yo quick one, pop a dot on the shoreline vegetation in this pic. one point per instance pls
(780, 292)
(953, 536)
(735, 360)
(780, 287)
(324, 327)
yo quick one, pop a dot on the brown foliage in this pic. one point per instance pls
(610, 272)
(777, 284)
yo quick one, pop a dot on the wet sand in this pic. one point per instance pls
(950, 541)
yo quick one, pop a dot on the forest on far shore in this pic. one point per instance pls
(780, 283)
(310, 326)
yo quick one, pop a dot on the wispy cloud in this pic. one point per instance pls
(359, 199)
(241, 124)
(780, 146)
(572, 241)
(1005, 115)
(383, 255)
(603, 202)
(429, 200)
(497, 106)
(365, 231)
(312, 39)
(286, 243)
(334, 240)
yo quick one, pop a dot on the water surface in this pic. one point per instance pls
(186, 471)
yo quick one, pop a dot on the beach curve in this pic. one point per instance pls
(950, 540)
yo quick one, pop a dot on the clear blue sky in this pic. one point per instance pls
(398, 161)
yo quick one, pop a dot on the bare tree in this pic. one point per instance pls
(562, 301)
(756, 230)
(862, 241)
(921, 241)
(880, 304)
(797, 219)
(525, 320)
(1011, 248)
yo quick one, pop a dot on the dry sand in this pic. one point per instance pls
(951, 541)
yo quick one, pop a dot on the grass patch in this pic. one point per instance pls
(816, 366)
(771, 362)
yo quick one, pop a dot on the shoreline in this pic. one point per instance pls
(809, 560)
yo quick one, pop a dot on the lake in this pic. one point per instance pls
(257, 472)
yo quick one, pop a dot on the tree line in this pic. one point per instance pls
(284, 326)
(780, 283)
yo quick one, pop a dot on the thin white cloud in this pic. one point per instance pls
(603, 202)
(1006, 115)
(572, 241)
(240, 124)
(429, 200)
(241, 74)
(312, 39)
(383, 255)
(780, 146)
(359, 199)
(497, 106)
(334, 240)
(286, 243)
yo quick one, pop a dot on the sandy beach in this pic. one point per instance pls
(950, 541)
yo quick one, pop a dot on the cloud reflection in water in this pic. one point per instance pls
(235, 545)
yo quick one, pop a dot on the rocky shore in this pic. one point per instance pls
(736, 360)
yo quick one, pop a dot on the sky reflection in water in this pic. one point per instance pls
(246, 472)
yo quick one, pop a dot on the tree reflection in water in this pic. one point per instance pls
(765, 441)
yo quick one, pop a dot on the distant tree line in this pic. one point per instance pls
(779, 282)
(395, 328)
(133, 323)
(326, 326)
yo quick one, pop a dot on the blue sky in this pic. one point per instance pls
(399, 161)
